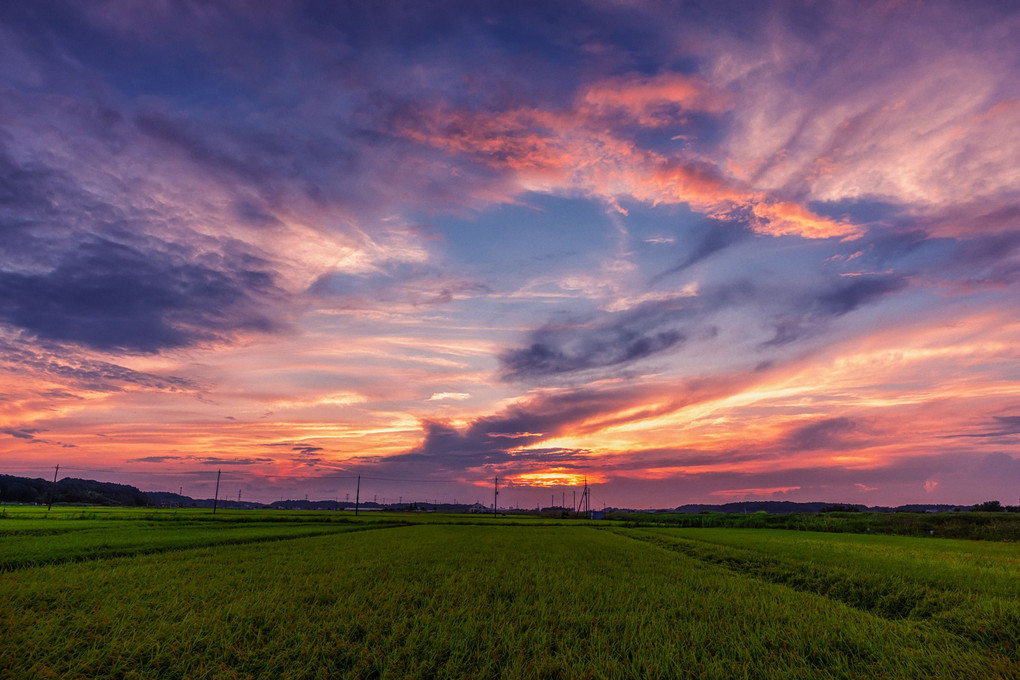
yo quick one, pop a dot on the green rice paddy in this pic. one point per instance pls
(251, 594)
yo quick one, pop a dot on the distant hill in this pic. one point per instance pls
(168, 499)
(786, 507)
(68, 490)
(771, 507)
(72, 490)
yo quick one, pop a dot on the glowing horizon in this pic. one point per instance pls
(692, 254)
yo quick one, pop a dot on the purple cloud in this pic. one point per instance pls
(20, 433)
(827, 433)
(112, 297)
(1002, 426)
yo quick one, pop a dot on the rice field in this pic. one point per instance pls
(164, 594)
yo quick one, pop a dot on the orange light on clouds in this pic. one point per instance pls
(554, 477)
(785, 218)
(653, 101)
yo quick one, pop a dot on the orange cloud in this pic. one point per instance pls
(785, 218)
(652, 101)
(866, 403)
(584, 148)
(554, 477)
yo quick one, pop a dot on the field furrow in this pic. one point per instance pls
(885, 576)
(33, 548)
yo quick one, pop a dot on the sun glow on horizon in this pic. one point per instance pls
(553, 478)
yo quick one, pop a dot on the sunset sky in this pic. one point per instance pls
(696, 252)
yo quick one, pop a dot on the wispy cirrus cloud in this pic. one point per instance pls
(81, 372)
(609, 340)
(589, 147)
(203, 460)
(892, 119)
(809, 316)
(614, 340)
(1001, 426)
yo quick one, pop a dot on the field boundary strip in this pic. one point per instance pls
(13, 565)
(801, 576)
(902, 600)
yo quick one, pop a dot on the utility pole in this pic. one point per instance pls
(585, 505)
(357, 496)
(216, 496)
(53, 489)
(495, 495)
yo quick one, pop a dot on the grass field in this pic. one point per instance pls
(185, 594)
